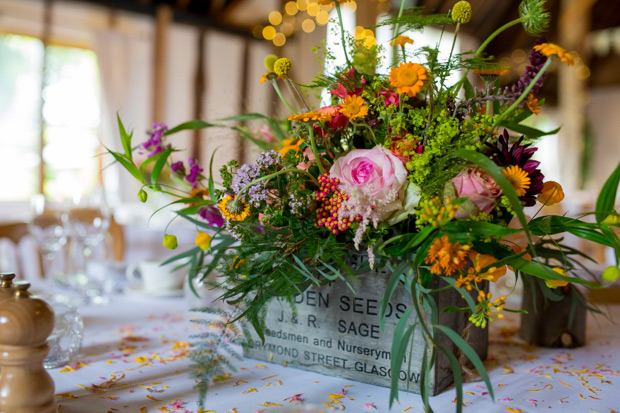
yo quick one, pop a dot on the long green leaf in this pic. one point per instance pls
(192, 124)
(531, 133)
(470, 353)
(607, 198)
(159, 165)
(389, 291)
(485, 229)
(128, 165)
(457, 376)
(496, 173)
(399, 346)
(125, 138)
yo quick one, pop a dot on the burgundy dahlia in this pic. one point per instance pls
(506, 155)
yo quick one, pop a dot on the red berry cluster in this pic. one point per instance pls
(330, 201)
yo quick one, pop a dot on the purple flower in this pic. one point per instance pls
(194, 172)
(212, 215)
(178, 168)
(537, 61)
(245, 175)
(269, 158)
(155, 139)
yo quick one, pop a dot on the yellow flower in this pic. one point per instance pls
(461, 12)
(354, 107)
(532, 104)
(408, 78)
(282, 66)
(290, 144)
(491, 71)
(170, 241)
(613, 218)
(233, 209)
(447, 257)
(481, 261)
(518, 178)
(557, 283)
(203, 240)
(318, 115)
(550, 49)
(551, 193)
(401, 41)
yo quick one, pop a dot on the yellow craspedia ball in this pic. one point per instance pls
(170, 241)
(270, 60)
(282, 66)
(461, 12)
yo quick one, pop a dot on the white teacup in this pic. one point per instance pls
(157, 278)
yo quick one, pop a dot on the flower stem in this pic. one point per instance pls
(344, 44)
(396, 27)
(315, 150)
(524, 94)
(299, 95)
(275, 86)
(493, 35)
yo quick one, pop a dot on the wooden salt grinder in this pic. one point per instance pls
(25, 324)
(6, 285)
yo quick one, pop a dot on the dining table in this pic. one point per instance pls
(135, 358)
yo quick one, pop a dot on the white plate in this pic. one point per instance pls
(136, 289)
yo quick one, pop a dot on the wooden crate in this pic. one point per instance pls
(336, 332)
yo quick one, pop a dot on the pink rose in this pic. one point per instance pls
(478, 187)
(373, 178)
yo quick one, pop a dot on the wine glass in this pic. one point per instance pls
(86, 219)
(46, 226)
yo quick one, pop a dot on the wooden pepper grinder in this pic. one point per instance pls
(25, 324)
(6, 285)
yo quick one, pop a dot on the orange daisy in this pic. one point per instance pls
(408, 78)
(532, 104)
(317, 115)
(354, 107)
(550, 49)
(518, 178)
(401, 41)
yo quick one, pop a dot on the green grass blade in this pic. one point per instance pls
(470, 353)
(607, 197)
(389, 291)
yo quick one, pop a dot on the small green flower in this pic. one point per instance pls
(461, 12)
(282, 66)
(536, 17)
(170, 241)
(270, 60)
(142, 195)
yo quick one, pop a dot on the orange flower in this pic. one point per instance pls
(408, 78)
(447, 257)
(354, 107)
(550, 49)
(518, 178)
(491, 71)
(532, 104)
(401, 41)
(557, 283)
(318, 115)
(481, 261)
(551, 193)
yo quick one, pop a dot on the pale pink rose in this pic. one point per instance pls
(373, 178)
(476, 185)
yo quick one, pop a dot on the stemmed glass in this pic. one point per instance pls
(46, 226)
(87, 219)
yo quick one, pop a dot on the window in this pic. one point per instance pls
(69, 102)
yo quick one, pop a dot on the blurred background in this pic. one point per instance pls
(67, 68)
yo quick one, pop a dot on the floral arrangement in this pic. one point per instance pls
(414, 174)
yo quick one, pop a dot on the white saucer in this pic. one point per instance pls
(137, 289)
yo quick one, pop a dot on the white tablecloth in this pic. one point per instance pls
(133, 360)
